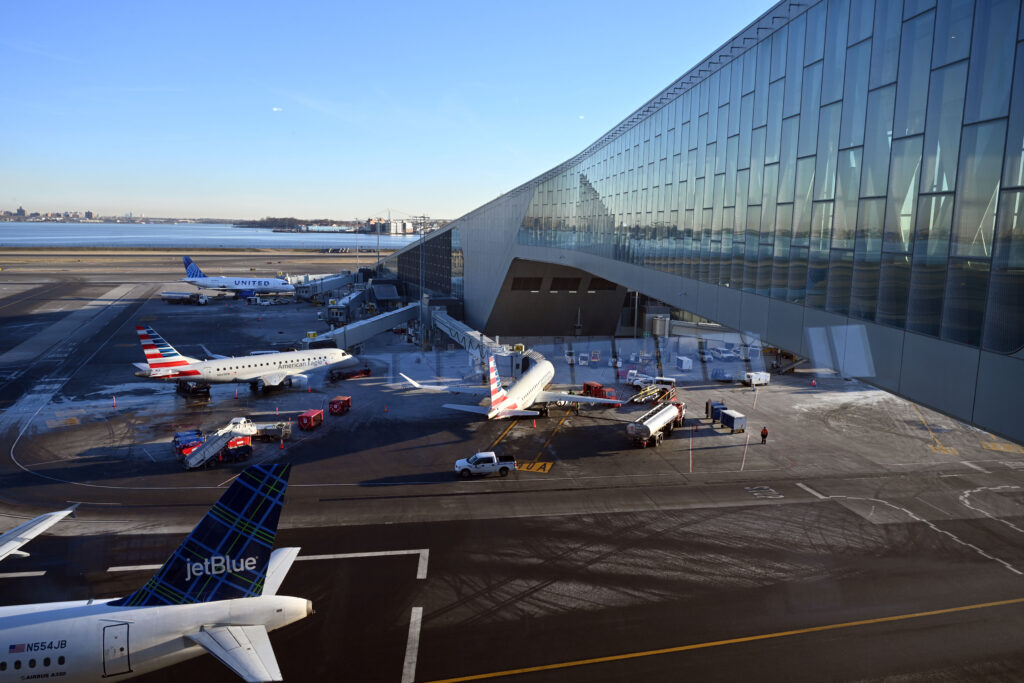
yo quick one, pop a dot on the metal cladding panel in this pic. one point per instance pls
(824, 338)
(785, 325)
(997, 401)
(931, 367)
(875, 355)
(707, 301)
(754, 315)
(730, 304)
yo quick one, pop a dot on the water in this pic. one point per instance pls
(184, 235)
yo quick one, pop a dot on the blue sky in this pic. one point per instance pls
(323, 109)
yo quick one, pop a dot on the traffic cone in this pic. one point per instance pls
(309, 389)
(814, 382)
(115, 400)
(534, 423)
(385, 408)
(276, 411)
(282, 444)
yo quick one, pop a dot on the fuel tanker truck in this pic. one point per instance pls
(651, 428)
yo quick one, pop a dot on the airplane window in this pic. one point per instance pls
(3, 666)
(31, 663)
(17, 663)
(60, 660)
(46, 662)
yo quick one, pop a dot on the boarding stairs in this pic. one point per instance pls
(216, 441)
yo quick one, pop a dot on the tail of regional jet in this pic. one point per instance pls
(191, 269)
(162, 360)
(228, 553)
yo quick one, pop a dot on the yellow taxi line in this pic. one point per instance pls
(730, 641)
(557, 427)
(503, 434)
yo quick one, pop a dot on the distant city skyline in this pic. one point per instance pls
(323, 109)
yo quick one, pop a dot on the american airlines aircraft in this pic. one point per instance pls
(524, 393)
(12, 540)
(256, 285)
(217, 593)
(259, 371)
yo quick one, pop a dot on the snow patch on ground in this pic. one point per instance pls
(849, 393)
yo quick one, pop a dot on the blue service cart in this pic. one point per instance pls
(716, 411)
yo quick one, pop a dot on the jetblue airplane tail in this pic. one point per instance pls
(191, 269)
(162, 358)
(226, 556)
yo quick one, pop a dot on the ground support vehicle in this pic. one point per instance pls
(190, 387)
(756, 378)
(651, 428)
(211, 447)
(336, 375)
(485, 462)
(311, 419)
(184, 298)
(597, 390)
(735, 421)
(275, 431)
(339, 405)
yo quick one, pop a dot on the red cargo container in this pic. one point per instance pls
(311, 418)
(339, 405)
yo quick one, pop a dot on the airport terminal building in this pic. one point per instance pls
(843, 179)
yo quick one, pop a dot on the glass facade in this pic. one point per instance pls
(864, 158)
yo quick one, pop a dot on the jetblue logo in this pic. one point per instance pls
(218, 564)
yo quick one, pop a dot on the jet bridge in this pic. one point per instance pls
(478, 345)
(361, 331)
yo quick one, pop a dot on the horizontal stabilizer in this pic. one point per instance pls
(451, 389)
(280, 562)
(517, 413)
(552, 396)
(479, 410)
(23, 533)
(245, 650)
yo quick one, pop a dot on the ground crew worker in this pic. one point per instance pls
(764, 434)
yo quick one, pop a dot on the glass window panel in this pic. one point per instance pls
(1004, 317)
(1013, 167)
(709, 173)
(964, 301)
(802, 203)
(928, 274)
(713, 120)
(723, 122)
(725, 75)
(732, 147)
(866, 259)
(835, 50)
(847, 190)
(764, 270)
(794, 65)
(893, 287)
(774, 131)
(756, 167)
(749, 70)
(912, 87)
(992, 49)
(977, 189)
(810, 100)
(942, 136)
(914, 7)
(702, 95)
(787, 159)
(821, 227)
(862, 14)
(814, 40)
(877, 142)
(902, 204)
(746, 125)
(840, 278)
(797, 288)
(779, 53)
(734, 98)
(780, 253)
(771, 183)
(885, 43)
(751, 251)
(828, 151)
(953, 20)
(855, 96)
(761, 91)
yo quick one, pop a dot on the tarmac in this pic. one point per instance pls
(595, 561)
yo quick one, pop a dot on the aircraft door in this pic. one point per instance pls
(116, 658)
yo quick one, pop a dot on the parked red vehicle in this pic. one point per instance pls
(339, 405)
(597, 390)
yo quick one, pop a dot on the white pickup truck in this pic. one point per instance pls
(485, 462)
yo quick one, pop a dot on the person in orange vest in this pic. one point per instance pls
(764, 434)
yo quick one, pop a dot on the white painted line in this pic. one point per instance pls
(974, 467)
(148, 453)
(412, 646)
(421, 569)
(20, 575)
(134, 567)
(811, 491)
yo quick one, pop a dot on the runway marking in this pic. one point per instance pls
(730, 641)
(811, 491)
(555, 431)
(421, 569)
(412, 645)
(936, 447)
(541, 467)
(974, 467)
(503, 434)
(967, 494)
(1001, 446)
(20, 575)
(134, 568)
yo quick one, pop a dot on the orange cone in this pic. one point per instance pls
(115, 400)
(282, 444)
(534, 423)
(385, 408)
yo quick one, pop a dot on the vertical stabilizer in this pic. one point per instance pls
(162, 358)
(499, 397)
(227, 554)
(191, 269)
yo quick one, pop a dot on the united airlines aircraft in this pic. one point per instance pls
(259, 371)
(216, 594)
(256, 285)
(515, 401)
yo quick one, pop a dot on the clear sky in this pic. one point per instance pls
(323, 109)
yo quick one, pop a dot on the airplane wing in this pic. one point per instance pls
(23, 533)
(478, 410)
(212, 356)
(280, 562)
(453, 389)
(245, 650)
(550, 396)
